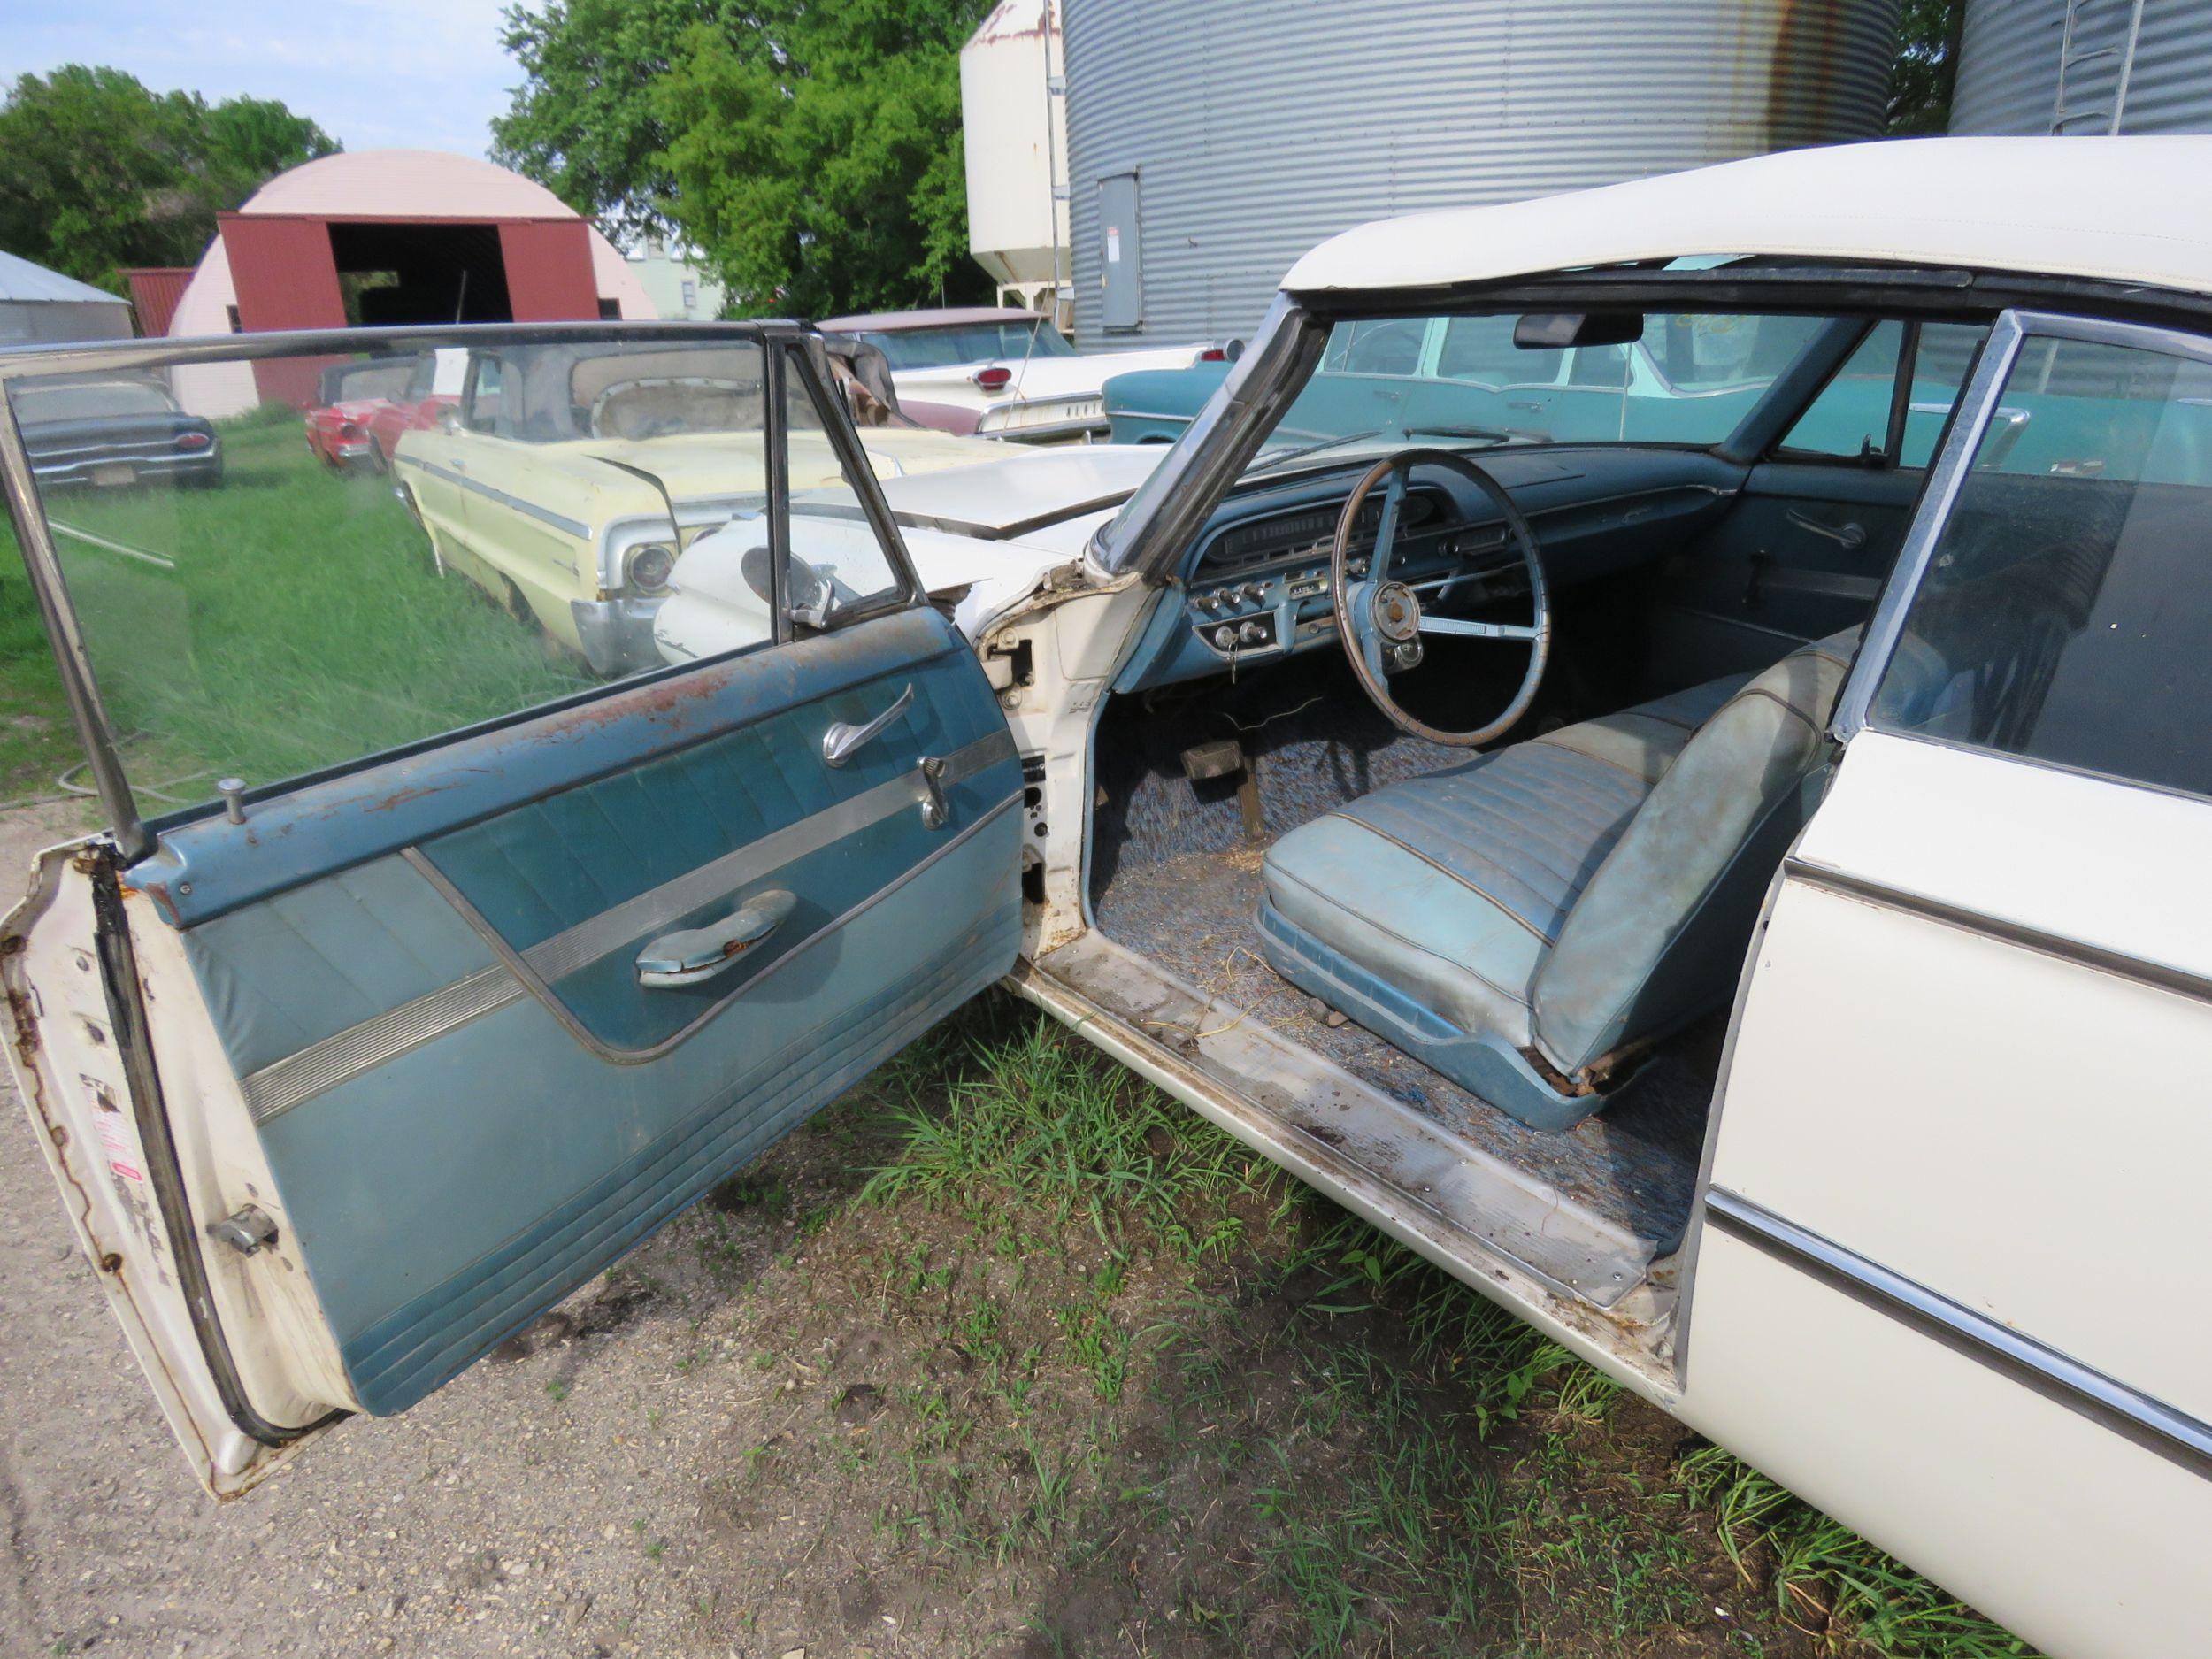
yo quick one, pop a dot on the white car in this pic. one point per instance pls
(1760, 873)
(1002, 373)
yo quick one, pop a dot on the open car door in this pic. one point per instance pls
(346, 1076)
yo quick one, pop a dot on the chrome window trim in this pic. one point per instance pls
(1978, 406)
(2152, 1424)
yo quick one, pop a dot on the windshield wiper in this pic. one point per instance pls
(1488, 435)
(1267, 463)
(1491, 434)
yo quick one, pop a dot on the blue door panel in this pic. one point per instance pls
(423, 1262)
(469, 1104)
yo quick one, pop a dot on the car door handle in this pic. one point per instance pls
(1847, 536)
(842, 742)
(457, 464)
(699, 954)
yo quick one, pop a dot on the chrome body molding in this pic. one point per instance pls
(528, 509)
(2150, 1423)
(283, 1084)
(2180, 981)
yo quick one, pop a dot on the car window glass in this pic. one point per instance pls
(1481, 348)
(1391, 346)
(256, 607)
(1689, 379)
(1849, 419)
(1598, 365)
(2066, 613)
(952, 345)
(484, 399)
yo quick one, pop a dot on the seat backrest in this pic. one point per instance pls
(1658, 934)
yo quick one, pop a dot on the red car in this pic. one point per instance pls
(367, 406)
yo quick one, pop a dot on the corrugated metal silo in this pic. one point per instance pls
(1209, 146)
(2085, 66)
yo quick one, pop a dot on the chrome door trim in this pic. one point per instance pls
(2157, 975)
(279, 1086)
(2152, 1424)
(1978, 406)
(530, 979)
(528, 509)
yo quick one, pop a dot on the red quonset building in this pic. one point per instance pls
(378, 237)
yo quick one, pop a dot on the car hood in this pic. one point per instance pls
(1018, 491)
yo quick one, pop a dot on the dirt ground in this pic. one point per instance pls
(956, 1414)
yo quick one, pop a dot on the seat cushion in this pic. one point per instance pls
(1453, 886)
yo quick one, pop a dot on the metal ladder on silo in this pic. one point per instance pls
(2072, 60)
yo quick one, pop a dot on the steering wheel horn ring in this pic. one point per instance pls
(1381, 621)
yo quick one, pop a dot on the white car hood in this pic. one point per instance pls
(992, 529)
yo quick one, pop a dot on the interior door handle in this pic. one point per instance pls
(841, 742)
(698, 954)
(1849, 536)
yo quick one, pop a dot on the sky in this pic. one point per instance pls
(428, 74)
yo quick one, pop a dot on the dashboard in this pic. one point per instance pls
(1255, 585)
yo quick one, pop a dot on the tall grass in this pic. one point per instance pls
(302, 623)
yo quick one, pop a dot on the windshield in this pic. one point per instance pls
(956, 344)
(1455, 381)
(103, 400)
(359, 382)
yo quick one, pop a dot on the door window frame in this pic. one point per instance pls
(782, 345)
(1978, 409)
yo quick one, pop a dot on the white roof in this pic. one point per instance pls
(2131, 210)
(411, 184)
(22, 281)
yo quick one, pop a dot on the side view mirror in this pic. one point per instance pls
(1550, 330)
(450, 419)
(812, 596)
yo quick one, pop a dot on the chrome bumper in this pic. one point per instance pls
(616, 634)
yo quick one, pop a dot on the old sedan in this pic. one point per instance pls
(1735, 900)
(567, 476)
(1001, 372)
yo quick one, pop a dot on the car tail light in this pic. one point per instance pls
(193, 440)
(994, 378)
(346, 429)
(650, 566)
(1213, 354)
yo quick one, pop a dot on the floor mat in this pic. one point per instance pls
(1635, 1163)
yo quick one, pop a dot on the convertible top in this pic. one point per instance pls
(2128, 210)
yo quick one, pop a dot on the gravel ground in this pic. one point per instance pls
(545, 1504)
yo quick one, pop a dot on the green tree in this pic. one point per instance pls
(98, 173)
(1926, 68)
(810, 152)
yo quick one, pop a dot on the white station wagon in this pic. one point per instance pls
(1739, 901)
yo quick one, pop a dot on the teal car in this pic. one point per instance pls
(1689, 379)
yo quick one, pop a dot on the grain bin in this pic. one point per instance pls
(1014, 132)
(2083, 67)
(1209, 146)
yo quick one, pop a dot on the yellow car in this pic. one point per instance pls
(571, 474)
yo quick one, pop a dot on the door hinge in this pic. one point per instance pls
(245, 1230)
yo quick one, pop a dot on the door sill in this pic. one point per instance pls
(1518, 1239)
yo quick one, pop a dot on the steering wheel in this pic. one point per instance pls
(1381, 622)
